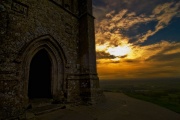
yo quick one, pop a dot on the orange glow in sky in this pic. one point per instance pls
(124, 51)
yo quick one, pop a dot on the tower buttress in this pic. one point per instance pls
(89, 81)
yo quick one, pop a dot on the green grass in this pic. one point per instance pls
(170, 101)
(165, 93)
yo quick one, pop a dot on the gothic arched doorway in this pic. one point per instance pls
(39, 85)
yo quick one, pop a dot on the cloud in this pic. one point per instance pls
(152, 61)
(98, 12)
(168, 52)
(118, 23)
(138, 6)
(110, 31)
(104, 55)
(160, 59)
(165, 57)
(161, 48)
(163, 14)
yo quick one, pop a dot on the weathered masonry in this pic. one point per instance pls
(47, 51)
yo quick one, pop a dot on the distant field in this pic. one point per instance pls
(165, 93)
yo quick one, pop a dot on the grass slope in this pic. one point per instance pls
(165, 93)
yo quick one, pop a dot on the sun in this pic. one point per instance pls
(119, 51)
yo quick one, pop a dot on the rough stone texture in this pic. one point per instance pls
(65, 29)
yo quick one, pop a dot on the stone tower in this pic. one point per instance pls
(47, 50)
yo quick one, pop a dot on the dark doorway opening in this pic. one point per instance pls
(39, 85)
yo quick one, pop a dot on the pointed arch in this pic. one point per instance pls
(58, 61)
(40, 75)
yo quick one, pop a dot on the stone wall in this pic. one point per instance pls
(58, 26)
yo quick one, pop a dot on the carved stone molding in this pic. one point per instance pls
(19, 7)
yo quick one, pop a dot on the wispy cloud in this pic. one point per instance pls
(127, 59)
(163, 14)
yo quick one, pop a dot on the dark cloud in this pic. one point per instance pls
(104, 55)
(131, 61)
(170, 48)
(114, 62)
(164, 57)
(138, 6)
(123, 56)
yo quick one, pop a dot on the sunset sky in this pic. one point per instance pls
(137, 38)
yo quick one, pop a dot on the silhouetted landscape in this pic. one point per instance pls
(163, 92)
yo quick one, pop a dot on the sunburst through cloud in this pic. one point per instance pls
(140, 41)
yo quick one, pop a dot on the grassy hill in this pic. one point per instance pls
(163, 92)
